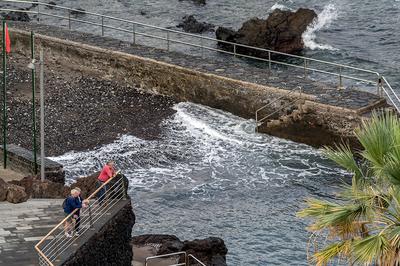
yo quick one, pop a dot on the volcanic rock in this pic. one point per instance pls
(190, 24)
(78, 11)
(52, 4)
(35, 188)
(211, 251)
(3, 190)
(17, 16)
(197, 2)
(16, 194)
(281, 31)
(165, 243)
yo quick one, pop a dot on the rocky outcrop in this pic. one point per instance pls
(79, 11)
(196, 2)
(3, 190)
(35, 188)
(17, 16)
(16, 194)
(190, 24)
(211, 251)
(281, 31)
(12, 193)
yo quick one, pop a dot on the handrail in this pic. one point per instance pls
(389, 93)
(196, 259)
(186, 256)
(54, 248)
(166, 256)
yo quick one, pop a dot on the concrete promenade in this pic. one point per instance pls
(291, 79)
(23, 225)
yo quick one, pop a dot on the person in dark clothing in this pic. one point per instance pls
(70, 204)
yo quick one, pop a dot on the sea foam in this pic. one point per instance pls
(324, 20)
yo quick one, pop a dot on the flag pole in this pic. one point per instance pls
(4, 97)
(34, 104)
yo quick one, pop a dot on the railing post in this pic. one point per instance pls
(269, 61)
(102, 25)
(90, 215)
(69, 19)
(134, 33)
(202, 46)
(168, 41)
(305, 68)
(256, 121)
(38, 12)
(379, 86)
(123, 188)
(234, 50)
(340, 78)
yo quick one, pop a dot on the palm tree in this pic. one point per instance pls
(363, 225)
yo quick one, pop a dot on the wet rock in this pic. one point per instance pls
(87, 184)
(211, 251)
(281, 31)
(51, 5)
(143, 12)
(17, 16)
(190, 24)
(3, 190)
(164, 243)
(196, 2)
(16, 194)
(78, 11)
(35, 188)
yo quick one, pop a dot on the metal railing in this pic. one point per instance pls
(260, 121)
(52, 246)
(187, 259)
(170, 36)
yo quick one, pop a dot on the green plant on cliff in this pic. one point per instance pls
(363, 225)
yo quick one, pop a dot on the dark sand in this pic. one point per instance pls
(82, 112)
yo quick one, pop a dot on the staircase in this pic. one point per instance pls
(283, 105)
(55, 248)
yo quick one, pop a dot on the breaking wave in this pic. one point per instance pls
(324, 20)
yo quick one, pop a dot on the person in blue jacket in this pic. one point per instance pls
(71, 203)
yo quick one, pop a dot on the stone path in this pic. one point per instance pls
(225, 66)
(23, 225)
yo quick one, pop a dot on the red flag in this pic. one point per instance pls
(8, 42)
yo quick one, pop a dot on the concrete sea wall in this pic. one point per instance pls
(316, 124)
(22, 161)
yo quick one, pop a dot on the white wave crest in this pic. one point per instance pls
(324, 20)
(279, 6)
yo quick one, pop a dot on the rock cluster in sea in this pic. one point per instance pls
(281, 31)
(210, 251)
(190, 24)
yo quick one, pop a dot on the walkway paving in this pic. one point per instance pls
(224, 66)
(22, 226)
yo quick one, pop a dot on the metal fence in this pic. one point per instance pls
(188, 259)
(207, 45)
(56, 243)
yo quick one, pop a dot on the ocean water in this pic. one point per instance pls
(211, 175)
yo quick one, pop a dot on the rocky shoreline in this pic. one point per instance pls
(82, 112)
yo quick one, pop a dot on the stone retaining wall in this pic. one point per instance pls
(21, 160)
(235, 96)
